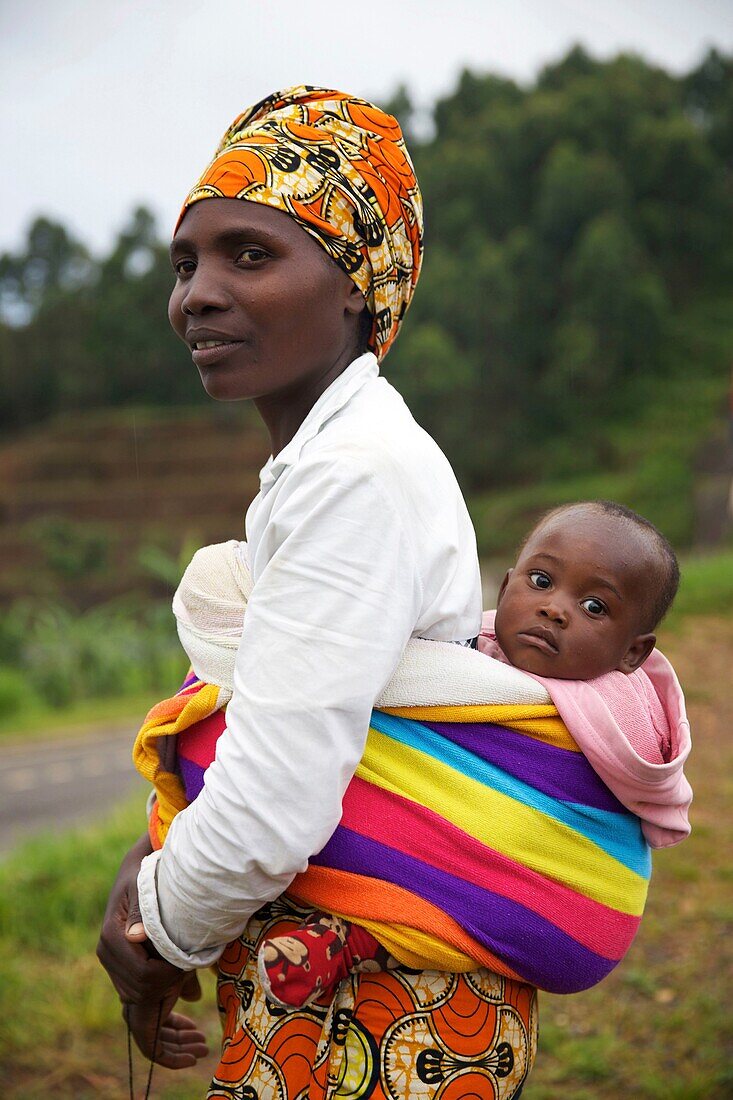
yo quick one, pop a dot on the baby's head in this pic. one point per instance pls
(590, 585)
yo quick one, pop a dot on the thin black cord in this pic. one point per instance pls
(155, 1046)
(129, 1052)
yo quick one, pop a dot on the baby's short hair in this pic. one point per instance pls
(667, 575)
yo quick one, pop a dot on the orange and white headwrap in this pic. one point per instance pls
(339, 166)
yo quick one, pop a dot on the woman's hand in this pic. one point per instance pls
(136, 971)
(178, 1042)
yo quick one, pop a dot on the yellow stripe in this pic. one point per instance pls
(520, 832)
(417, 949)
(168, 787)
(540, 722)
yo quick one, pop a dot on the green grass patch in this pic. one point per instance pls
(61, 1032)
(60, 667)
(35, 721)
(706, 587)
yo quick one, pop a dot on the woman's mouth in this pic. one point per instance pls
(207, 352)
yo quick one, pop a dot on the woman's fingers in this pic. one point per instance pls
(191, 988)
(136, 932)
(180, 1033)
(174, 1043)
(172, 1059)
(134, 927)
(178, 1025)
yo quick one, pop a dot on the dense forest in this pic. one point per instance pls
(572, 229)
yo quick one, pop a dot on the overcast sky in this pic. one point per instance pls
(108, 103)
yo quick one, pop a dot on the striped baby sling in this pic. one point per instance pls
(474, 831)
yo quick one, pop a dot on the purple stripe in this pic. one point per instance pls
(543, 954)
(193, 777)
(559, 773)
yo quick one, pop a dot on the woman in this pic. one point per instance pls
(296, 256)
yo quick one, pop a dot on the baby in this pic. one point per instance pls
(590, 585)
(577, 612)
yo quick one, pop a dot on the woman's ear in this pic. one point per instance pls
(355, 302)
(504, 583)
(637, 653)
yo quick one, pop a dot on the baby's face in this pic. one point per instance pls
(572, 606)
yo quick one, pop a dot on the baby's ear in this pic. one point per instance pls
(504, 583)
(637, 653)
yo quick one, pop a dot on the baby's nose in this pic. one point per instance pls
(554, 611)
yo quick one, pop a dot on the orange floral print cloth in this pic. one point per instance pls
(339, 166)
(392, 1035)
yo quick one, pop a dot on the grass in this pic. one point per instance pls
(659, 1028)
(85, 717)
(61, 1033)
(706, 586)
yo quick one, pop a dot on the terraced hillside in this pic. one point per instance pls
(89, 503)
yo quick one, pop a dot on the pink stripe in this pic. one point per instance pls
(198, 742)
(190, 689)
(418, 832)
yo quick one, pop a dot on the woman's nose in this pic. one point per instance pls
(205, 292)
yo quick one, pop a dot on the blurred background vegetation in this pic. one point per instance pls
(571, 338)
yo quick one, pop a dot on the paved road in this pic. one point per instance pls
(53, 785)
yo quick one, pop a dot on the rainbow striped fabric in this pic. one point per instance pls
(473, 834)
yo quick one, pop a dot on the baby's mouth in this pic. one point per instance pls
(540, 638)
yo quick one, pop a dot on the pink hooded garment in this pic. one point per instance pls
(633, 730)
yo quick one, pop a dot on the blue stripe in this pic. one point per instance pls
(617, 834)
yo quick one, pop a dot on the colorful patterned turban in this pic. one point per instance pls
(339, 166)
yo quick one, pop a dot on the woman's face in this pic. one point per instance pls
(267, 314)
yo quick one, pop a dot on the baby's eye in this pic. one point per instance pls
(593, 606)
(540, 580)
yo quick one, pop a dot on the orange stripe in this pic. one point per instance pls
(326, 888)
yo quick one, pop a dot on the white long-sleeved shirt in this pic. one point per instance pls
(358, 540)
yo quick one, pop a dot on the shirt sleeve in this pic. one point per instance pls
(325, 627)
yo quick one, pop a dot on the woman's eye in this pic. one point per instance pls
(593, 606)
(251, 255)
(184, 267)
(540, 580)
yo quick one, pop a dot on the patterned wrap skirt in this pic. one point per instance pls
(394, 1035)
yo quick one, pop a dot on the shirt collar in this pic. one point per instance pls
(331, 401)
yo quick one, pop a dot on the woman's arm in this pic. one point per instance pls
(327, 622)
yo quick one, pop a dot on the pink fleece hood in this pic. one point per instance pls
(633, 729)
